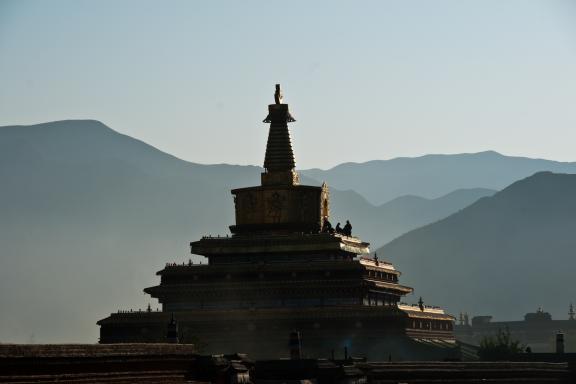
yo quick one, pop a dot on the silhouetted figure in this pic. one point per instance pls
(528, 349)
(172, 331)
(347, 229)
(338, 228)
(327, 227)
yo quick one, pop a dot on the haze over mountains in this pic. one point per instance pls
(380, 224)
(504, 255)
(89, 215)
(432, 176)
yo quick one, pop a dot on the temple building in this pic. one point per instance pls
(284, 269)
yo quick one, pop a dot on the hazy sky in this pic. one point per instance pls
(365, 80)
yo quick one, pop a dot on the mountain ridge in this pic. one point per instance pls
(433, 176)
(523, 234)
(485, 153)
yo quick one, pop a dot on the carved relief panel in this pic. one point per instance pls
(275, 206)
(248, 206)
(279, 205)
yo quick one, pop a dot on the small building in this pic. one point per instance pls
(538, 330)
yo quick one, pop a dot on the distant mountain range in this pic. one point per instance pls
(504, 255)
(381, 224)
(432, 176)
(87, 215)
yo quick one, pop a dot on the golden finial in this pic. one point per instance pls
(278, 96)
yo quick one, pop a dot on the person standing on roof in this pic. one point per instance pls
(347, 229)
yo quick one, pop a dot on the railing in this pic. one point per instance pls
(188, 263)
(427, 308)
(139, 311)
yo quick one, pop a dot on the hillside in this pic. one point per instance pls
(504, 255)
(381, 224)
(89, 215)
(432, 176)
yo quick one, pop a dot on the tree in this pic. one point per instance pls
(499, 347)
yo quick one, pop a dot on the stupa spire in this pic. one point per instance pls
(279, 162)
